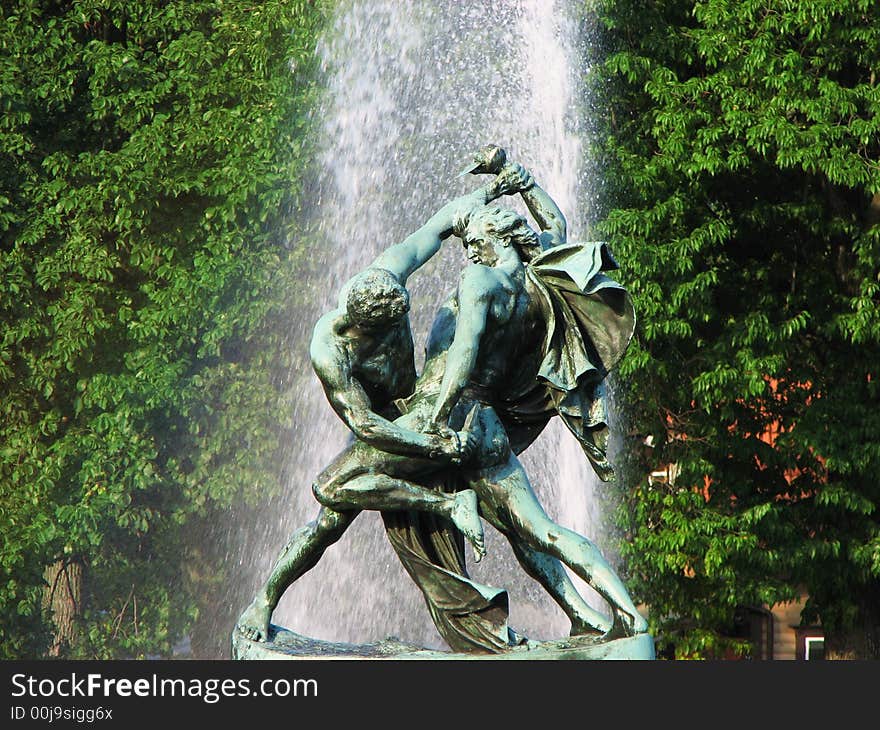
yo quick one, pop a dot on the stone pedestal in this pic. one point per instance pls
(285, 644)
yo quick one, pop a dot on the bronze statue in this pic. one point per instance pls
(530, 332)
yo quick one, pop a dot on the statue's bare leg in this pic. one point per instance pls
(386, 493)
(550, 573)
(507, 492)
(301, 554)
(365, 478)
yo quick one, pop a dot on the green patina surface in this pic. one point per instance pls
(529, 332)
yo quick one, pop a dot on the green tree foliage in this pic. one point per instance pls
(741, 142)
(148, 151)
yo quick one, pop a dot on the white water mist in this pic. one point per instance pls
(414, 87)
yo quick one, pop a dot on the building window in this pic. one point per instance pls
(810, 643)
(814, 647)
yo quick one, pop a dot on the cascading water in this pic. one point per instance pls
(414, 87)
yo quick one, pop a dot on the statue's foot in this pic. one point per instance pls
(625, 624)
(514, 638)
(254, 622)
(466, 517)
(638, 624)
(584, 627)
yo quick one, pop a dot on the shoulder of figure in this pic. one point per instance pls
(479, 274)
(327, 325)
(325, 349)
(479, 280)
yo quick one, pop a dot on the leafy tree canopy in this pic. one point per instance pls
(741, 143)
(148, 151)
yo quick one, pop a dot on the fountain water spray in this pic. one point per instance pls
(415, 86)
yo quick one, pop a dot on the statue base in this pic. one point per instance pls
(285, 644)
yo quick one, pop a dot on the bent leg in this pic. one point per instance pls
(386, 493)
(382, 492)
(512, 499)
(301, 554)
(366, 478)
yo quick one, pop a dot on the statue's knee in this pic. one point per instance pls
(324, 491)
(331, 523)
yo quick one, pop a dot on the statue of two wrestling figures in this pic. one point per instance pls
(530, 333)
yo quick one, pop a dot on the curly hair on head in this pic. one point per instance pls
(497, 222)
(376, 297)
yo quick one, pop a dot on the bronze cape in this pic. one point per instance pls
(589, 321)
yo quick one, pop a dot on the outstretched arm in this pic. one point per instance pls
(404, 258)
(352, 405)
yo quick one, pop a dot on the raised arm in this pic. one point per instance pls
(404, 258)
(514, 178)
(547, 215)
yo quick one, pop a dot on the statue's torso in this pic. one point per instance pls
(510, 349)
(504, 330)
(382, 363)
(386, 367)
